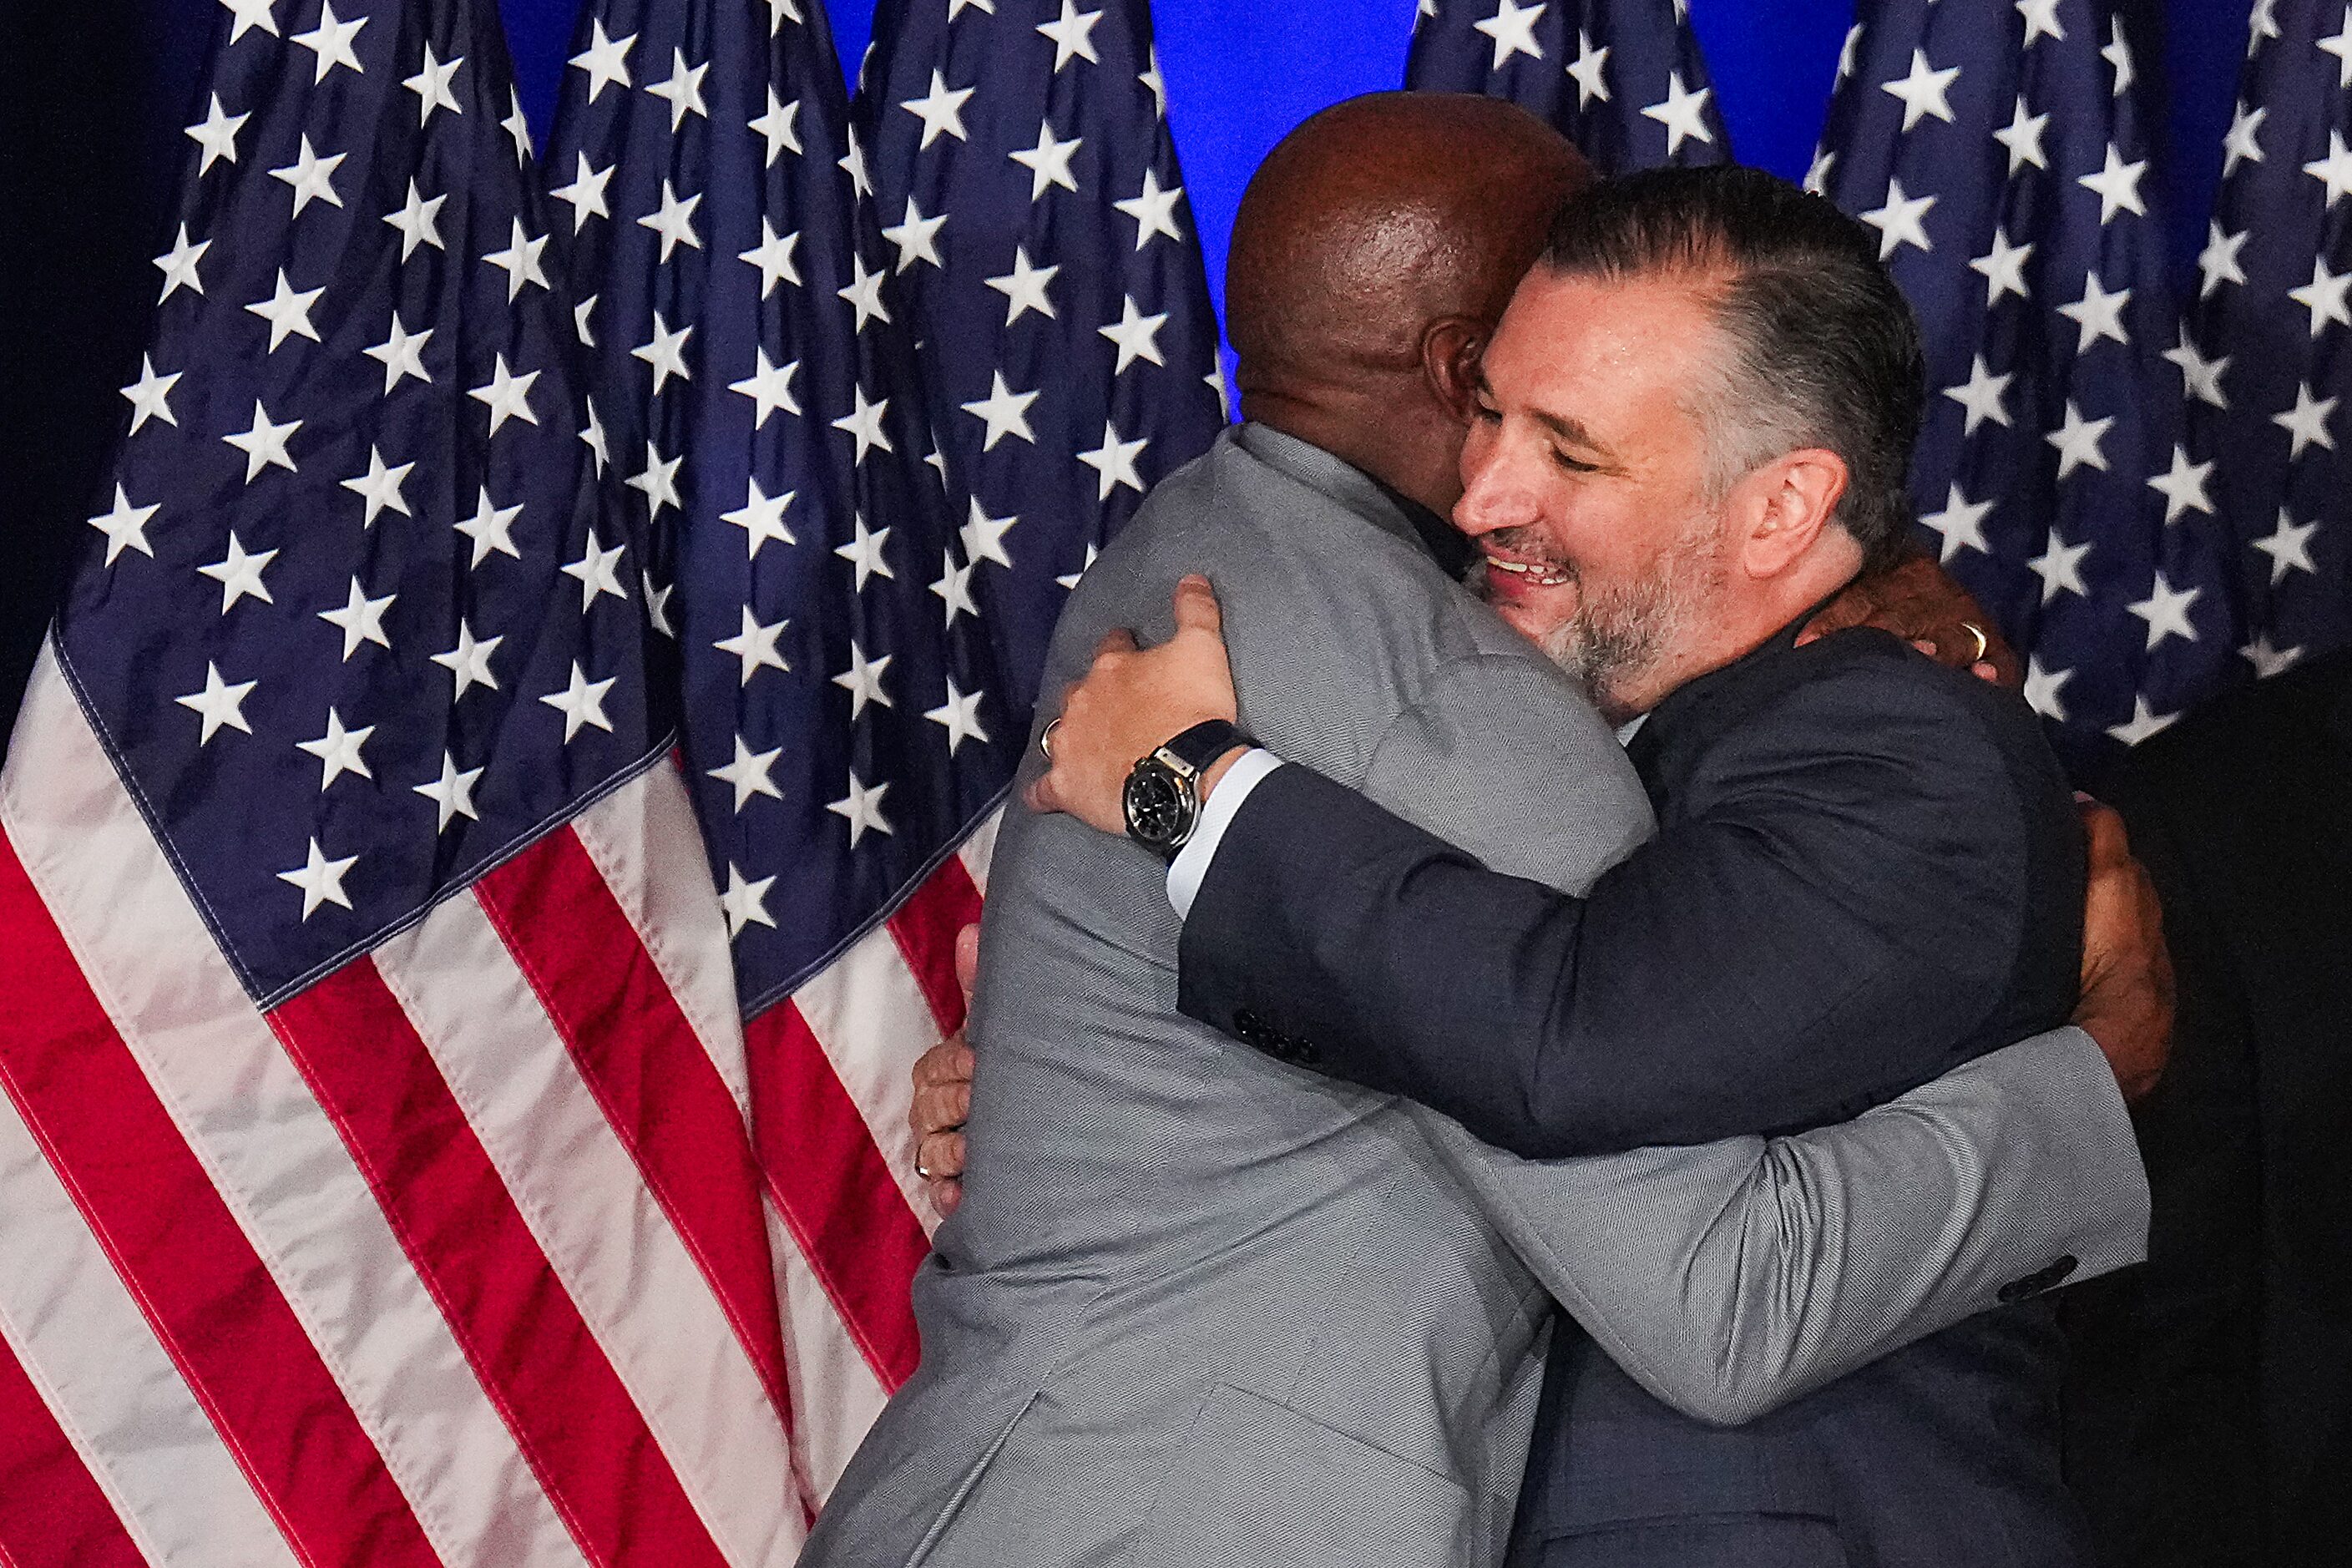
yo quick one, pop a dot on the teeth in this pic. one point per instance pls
(1541, 576)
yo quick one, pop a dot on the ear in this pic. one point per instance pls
(1450, 350)
(1784, 506)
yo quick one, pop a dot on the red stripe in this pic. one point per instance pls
(212, 1304)
(573, 1420)
(852, 1225)
(925, 928)
(52, 1510)
(657, 1086)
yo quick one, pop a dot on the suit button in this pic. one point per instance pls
(1304, 1051)
(1251, 1028)
(2047, 1277)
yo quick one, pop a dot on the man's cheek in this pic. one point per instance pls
(1538, 614)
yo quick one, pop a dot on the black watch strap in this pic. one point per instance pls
(1205, 743)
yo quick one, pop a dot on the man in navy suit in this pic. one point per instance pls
(1694, 427)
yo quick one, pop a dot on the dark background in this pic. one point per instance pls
(94, 93)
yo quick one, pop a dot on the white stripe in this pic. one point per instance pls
(270, 1150)
(89, 1351)
(979, 849)
(872, 1020)
(646, 845)
(836, 1395)
(582, 1195)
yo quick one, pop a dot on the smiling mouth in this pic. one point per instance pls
(1530, 573)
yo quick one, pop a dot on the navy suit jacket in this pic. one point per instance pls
(1868, 869)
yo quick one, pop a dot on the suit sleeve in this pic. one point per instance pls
(1842, 906)
(1730, 1278)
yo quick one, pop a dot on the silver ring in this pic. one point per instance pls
(923, 1170)
(1045, 739)
(1983, 642)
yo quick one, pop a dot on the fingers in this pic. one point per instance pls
(967, 959)
(1116, 640)
(948, 1062)
(940, 1109)
(2102, 825)
(940, 1154)
(1196, 607)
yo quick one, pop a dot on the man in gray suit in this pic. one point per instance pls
(1200, 1307)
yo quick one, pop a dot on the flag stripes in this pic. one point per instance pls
(52, 1510)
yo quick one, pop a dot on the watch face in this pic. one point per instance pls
(1156, 807)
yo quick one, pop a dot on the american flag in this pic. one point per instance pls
(1624, 79)
(1021, 160)
(1995, 146)
(375, 1185)
(2266, 346)
(848, 722)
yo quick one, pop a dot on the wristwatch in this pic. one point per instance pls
(1163, 797)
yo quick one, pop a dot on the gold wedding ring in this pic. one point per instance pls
(1045, 741)
(1977, 658)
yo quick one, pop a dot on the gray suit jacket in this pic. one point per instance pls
(1199, 1306)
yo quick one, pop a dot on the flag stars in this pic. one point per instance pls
(581, 703)
(469, 661)
(1512, 30)
(1960, 523)
(2266, 660)
(1154, 83)
(591, 436)
(2043, 687)
(379, 488)
(769, 386)
(2306, 423)
(220, 704)
(863, 809)
(360, 620)
(239, 574)
(674, 220)
(954, 588)
(519, 260)
(490, 527)
(216, 135)
(2242, 145)
(1070, 579)
(960, 716)
(2166, 611)
(585, 333)
(2117, 184)
(401, 354)
(983, 536)
(1983, 395)
(1900, 221)
(658, 481)
(864, 294)
(1023, 287)
(2003, 268)
(863, 423)
(1048, 163)
(1682, 114)
(320, 879)
(940, 110)
(331, 43)
(656, 604)
(2022, 137)
(2217, 263)
(2334, 170)
(917, 236)
(1073, 35)
(311, 177)
(779, 126)
(518, 128)
(2097, 315)
(2289, 547)
(2200, 377)
(125, 526)
(1114, 462)
(2182, 486)
(665, 353)
(2041, 18)
(1153, 210)
(452, 793)
(2117, 53)
(2340, 45)
(862, 680)
(2078, 441)
(1135, 335)
(431, 86)
(264, 445)
(762, 519)
(418, 221)
(1004, 410)
(2323, 295)
(683, 91)
(2144, 723)
(151, 394)
(754, 648)
(1923, 90)
(750, 773)
(864, 552)
(745, 902)
(597, 571)
(2060, 567)
(288, 311)
(585, 194)
(853, 164)
(338, 750)
(605, 59)
(1588, 71)
(506, 394)
(179, 265)
(245, 14)
(773, 257)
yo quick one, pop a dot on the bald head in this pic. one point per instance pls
(1374, 224)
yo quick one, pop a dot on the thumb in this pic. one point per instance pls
(1118, 639)
(1196, 607)
(967, 959)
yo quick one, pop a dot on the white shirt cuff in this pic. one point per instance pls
(1191, 862)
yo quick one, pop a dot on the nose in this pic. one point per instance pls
(1494, 495)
